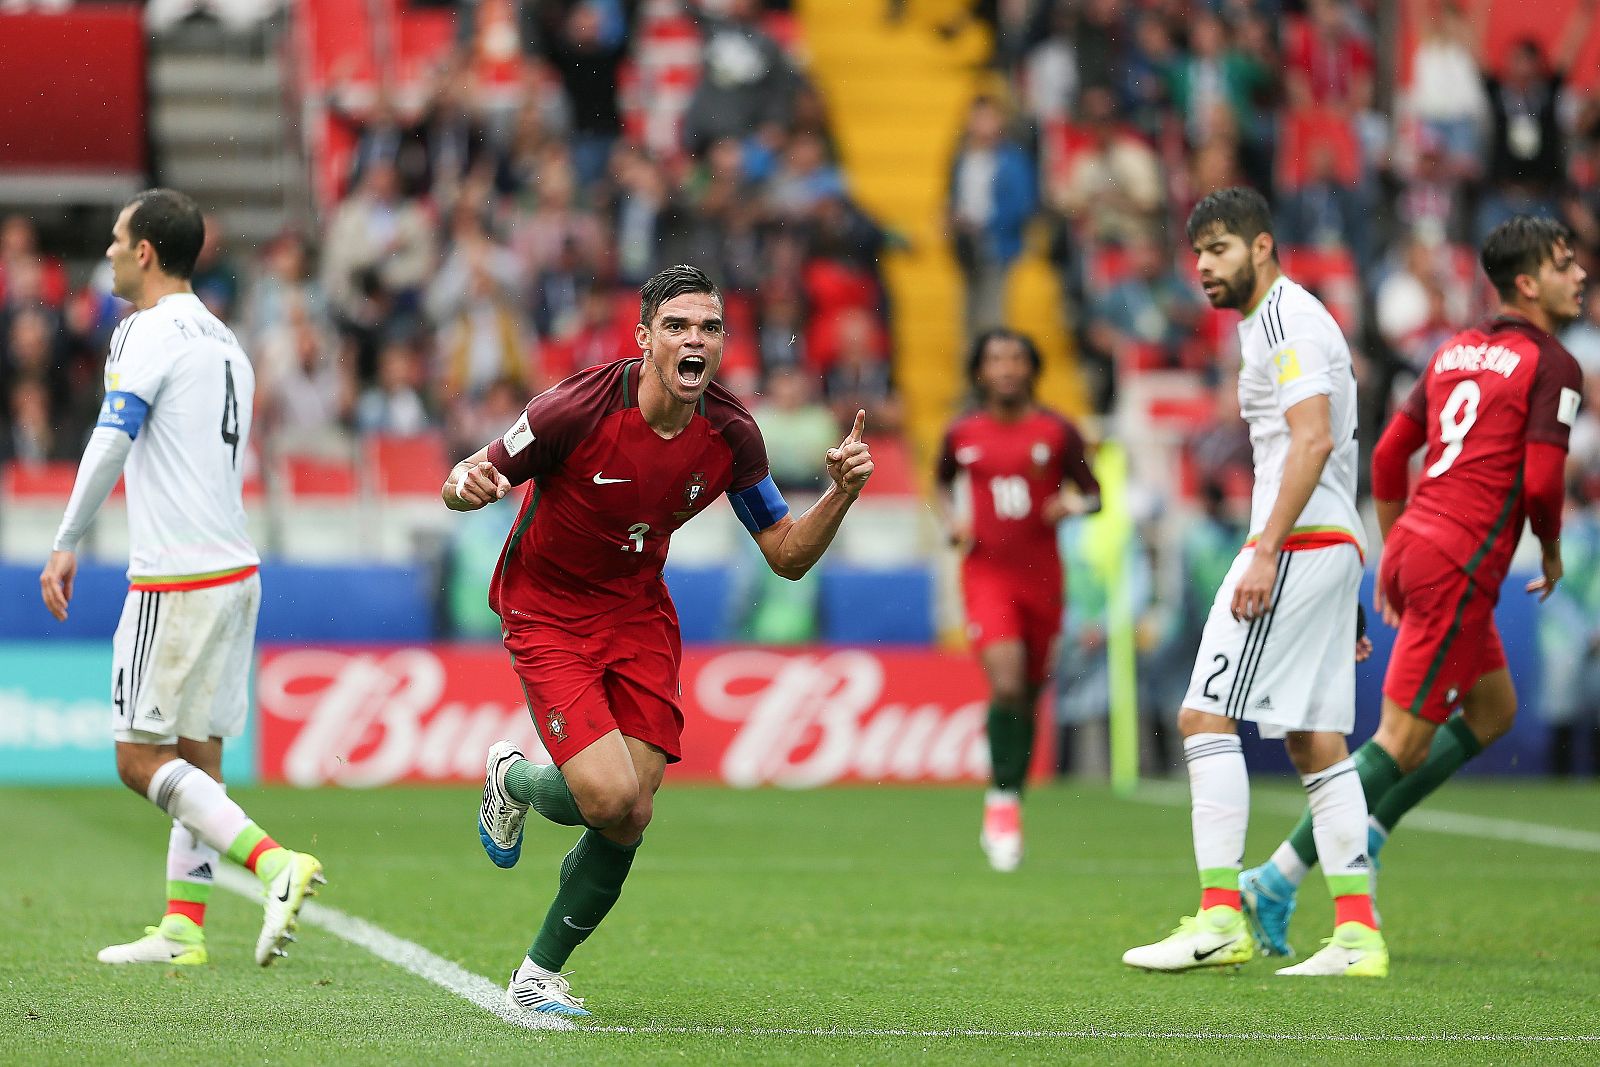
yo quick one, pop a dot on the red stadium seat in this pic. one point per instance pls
(406, 466)
(1310, 127)
(314, 477)
(37, 481)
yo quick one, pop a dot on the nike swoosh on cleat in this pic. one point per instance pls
(600, 479)
(284, 899)
(1198, 955)
(568, 920)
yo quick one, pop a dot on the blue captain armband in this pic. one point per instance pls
(123, 411)
(759, 506)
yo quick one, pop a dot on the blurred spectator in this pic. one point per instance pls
(285, 280)
(473, 301)
(746, 81)
(599, 336)
(19, 252)
(1526, 151)
(641, 199)
(1151, 308)
(471, 425)
(1153, 63)
(991, 199)
(379, 251)
(32, 353)
(1328, 62)
(1111, 188)
(394, 405)
(30, 435)
(1326, 212)
(798, 430)
(1432, 201)
(804, 178)
(216, 278)
(1215, 75)
(1447, 95)
(859, 375)
(306, 387)
(1101, 37)
(586, 42)
(1221, 452)
(1050, 69)
(558, 226)
(1420, 303)
(1569, 641)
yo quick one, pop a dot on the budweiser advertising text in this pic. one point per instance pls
(796, 718)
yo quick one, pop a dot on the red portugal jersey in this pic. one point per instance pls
(1009, 469)
(589, 543)
(1487, 392)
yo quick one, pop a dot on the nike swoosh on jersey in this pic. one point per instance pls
(601, 479)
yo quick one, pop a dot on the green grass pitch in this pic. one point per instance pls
(863, 910)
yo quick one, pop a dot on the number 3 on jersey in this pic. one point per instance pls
(1455, 420)
(635, 541)
(1012, 500)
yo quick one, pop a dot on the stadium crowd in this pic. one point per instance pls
(481, 246)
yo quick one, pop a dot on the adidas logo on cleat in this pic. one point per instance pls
(203, 871)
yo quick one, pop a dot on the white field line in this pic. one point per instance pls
(487, 995)
(491, 997)
(1483, 827)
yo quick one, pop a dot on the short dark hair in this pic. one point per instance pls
(1238, 210)
(172, 223)
(1000, 333)
(670, 283)
(1518, 246)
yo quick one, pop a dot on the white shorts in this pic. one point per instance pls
(1294, 668)
(180, 663)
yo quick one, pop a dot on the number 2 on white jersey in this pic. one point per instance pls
(1459, 414)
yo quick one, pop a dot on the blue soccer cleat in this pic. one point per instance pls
(1269, 899)
(500, 818)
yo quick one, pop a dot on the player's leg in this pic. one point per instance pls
(1487, 712)
(1338, 811)
(1219, 792)
(1010, 730)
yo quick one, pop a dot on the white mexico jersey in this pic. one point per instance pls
(1292, 349)
(185, 472)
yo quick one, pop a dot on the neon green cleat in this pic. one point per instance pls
(177, 942)
(286, 892)
(1216, 937)
(1354, 951)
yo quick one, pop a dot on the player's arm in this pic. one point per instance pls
(122, 414)
(474, 483)
(1552, 410)
(792, 546)
(1310, 445)
(1391, 464)
(1080, 491)
(955, 531)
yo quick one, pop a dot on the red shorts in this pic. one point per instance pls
(1009, 607)
(1447, 638)
(581, 687)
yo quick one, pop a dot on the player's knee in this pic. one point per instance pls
(633, 825)
(1191, 722)
(134, 768)
(609, 805)
(1010, 690)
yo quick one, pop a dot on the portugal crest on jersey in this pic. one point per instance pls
(691, 493)
(557, 724)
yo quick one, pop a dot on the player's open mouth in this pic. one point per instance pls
(691, 369)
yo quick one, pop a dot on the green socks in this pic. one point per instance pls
(1453, 745)
(545, 790)
(1378, 773)
(1010, 745)
(591, 881)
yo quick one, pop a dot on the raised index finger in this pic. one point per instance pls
(855, 431)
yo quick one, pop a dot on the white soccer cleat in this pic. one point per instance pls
(500, 817)
(285, 894)
(176, 942)
(1001, 837)
(1216, 937)
(1354, 951)
(537, 990)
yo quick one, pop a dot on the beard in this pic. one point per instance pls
(1234, 292)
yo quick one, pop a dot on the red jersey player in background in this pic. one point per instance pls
(618, 457)
(1014, 458)
(1494, 409)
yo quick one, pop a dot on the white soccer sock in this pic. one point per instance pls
(189, 859)
(1339, 826)
(1289, 863)
(198, 801)
(1219, 792)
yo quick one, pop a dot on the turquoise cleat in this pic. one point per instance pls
(1269, 900)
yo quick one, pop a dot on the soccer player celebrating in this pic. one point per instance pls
(179, 392)
(1013, 456)
(619, 457)
(1277, 647)
(1494, 409)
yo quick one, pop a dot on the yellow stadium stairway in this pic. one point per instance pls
(898, 93)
